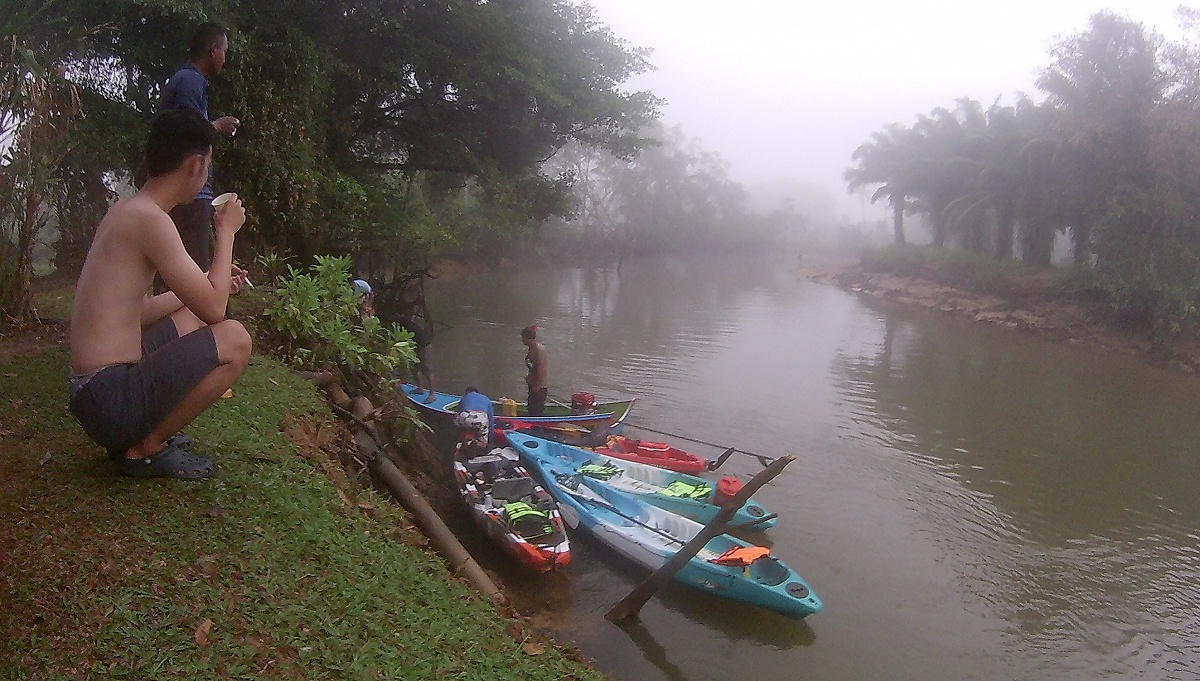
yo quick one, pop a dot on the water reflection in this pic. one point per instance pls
(968, 502)
(1068, 483)
(652, 651)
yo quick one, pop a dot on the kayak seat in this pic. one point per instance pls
(769, 571)
(481, 463)
(513, 489)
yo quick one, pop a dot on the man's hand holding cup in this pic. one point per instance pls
(229, 215)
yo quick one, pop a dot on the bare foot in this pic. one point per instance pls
(431, 397)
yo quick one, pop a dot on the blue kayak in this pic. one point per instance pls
(609, 415)
(689, 496)
(727, 566)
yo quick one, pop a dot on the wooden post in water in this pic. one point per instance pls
(632, 604)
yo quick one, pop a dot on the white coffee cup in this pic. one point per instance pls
(223, 199)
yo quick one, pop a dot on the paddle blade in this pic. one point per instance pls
(569, 516)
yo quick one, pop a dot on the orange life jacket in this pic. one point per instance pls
(741, 555)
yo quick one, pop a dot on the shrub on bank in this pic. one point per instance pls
(315, 319)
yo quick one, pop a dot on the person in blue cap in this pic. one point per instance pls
(366, 296)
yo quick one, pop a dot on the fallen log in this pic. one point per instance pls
(373, 450)
(361, 407)
(461, 562)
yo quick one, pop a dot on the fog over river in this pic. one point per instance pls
(969, 502)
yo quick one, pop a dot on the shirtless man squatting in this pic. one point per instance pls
(142, 366)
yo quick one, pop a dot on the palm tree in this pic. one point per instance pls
(953, 149)
(1105, 82)
(886, 161)
(1010, 177)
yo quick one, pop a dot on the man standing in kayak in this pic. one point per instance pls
(537, 378)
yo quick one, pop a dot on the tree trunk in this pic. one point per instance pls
(1004, 232)
(974, 229)
(898, 221)
(939, 228)
(1081, 239)
(17, 303)
(1037, 244)
(28, 239)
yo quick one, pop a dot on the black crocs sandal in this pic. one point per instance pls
(170, 462)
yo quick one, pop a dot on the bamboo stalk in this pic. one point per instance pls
(631, 605)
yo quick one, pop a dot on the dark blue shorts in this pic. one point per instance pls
(120, 404)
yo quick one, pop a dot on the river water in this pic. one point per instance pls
(968, 502)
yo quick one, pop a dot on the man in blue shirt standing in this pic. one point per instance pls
(188, 89)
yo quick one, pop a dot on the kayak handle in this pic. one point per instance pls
(751, 523)
(714, 465)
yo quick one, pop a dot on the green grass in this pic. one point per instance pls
(109, 577)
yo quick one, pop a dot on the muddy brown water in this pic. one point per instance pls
(970, 503)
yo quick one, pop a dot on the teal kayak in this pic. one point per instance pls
(726, 566)
(687, 495)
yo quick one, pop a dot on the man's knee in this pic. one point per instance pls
(233, 342)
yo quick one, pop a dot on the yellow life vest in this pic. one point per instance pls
(536, 523)
(685, 490)
(600, 471)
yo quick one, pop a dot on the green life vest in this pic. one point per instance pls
(685, 490)
(600, 471)
(527, 521)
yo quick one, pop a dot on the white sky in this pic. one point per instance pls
(787, 89)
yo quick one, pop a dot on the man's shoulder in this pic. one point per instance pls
(186, 74)
(186, 79)
(135, 213)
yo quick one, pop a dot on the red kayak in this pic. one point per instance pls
(659, 454)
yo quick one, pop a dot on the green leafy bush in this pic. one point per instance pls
(270, 266)
(316, 316)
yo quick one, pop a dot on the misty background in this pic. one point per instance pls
(784, 92)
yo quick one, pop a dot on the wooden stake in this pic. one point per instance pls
(632, 604)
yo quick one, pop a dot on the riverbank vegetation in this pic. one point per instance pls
(396, 133)
(1107, 160)
(282, 567)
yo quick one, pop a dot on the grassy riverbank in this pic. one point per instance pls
(280, 567)
(1048, 302)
